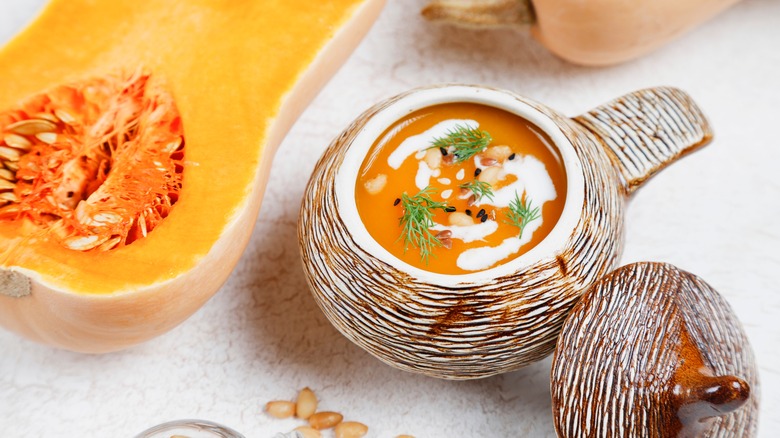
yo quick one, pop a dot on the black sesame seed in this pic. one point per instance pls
(477, 172)
(512, 157)
(481, 213)
(484, 218)
(443, 151)
(468, 212)
(396, 202)
(450, 209)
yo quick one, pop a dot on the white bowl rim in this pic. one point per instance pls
(552, 244)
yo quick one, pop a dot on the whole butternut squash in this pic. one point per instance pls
(136, 137)
(592, 32)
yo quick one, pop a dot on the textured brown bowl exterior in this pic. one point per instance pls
(473, 330)
(619, 357)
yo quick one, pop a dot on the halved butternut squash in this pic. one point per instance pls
(232, 78)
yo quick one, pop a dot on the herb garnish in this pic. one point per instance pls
(480, 189)
(520, 213)
(463, 141)
(417, 221)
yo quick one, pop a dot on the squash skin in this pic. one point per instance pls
(105, 302)
(606, 32)
(585, 32)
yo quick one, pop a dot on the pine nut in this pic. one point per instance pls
(375, 185)
(433, 158)
(280, 409)
(443, 234)
(325, 420)
(308, 432)
(351, 429)
(460, 219)
(306, 405)
(498, 153)
(490, 175)
(487, 162)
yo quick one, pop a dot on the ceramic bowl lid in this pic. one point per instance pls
(653, 351)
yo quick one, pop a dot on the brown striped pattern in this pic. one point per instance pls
(618, 354)
(647, 130)
(470, 331)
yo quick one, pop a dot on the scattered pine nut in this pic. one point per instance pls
(280, 409)
(460, 219)
(490, 175)
(308, 432)
(487, 162)
(443, 234)
(306, 404)
(307, 400)
(325, 420)
(375, 185)
(433, 158)
(498, 153)
(351, 429)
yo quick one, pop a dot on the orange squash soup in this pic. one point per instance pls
(460, 187)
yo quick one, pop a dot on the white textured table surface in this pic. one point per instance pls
(715, 213)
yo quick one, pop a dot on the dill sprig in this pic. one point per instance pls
(417, 221)
(463, 142)
(480, 189)
(521, 213)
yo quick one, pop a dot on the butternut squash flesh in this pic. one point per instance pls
(240, 72)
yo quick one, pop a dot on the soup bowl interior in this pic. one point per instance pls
(345, 184)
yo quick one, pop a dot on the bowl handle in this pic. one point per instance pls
(647, 130)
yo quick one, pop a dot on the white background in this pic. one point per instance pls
(716, 213)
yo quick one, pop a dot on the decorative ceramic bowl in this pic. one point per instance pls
(653, 351)
(500, 319)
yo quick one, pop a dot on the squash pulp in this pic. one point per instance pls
(240, 73)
